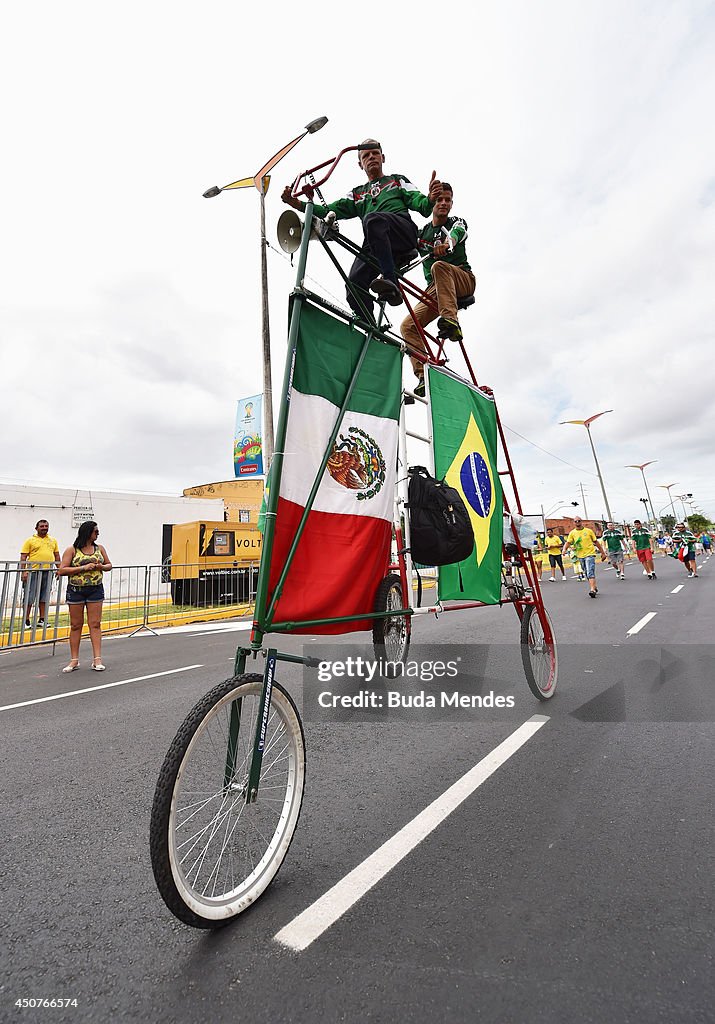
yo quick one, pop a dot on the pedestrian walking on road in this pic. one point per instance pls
(553, 545)
(615, 545)
(584, 543)
(85, 563)
(684, 539)
(39, 557)
(644, 548)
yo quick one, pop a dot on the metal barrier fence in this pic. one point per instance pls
(136, 597)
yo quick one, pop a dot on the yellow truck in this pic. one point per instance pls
(212, 563)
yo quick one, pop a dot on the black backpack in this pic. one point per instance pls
(440, 529)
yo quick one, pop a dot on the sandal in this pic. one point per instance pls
(97, 665)
(73, 666)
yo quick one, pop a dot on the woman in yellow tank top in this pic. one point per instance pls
(85, 563)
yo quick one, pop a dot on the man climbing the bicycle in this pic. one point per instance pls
(449, 278)
(382, 204)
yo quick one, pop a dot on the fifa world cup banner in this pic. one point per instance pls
(464, 428)
(248, 437)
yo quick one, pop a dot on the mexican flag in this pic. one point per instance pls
(344, 551)
(464, 428)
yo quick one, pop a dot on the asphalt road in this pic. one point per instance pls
(574, 884)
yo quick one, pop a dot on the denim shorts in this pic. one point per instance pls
(38, 579)
(85, 595)
(589, 566)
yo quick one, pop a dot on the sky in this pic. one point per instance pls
(575, 136)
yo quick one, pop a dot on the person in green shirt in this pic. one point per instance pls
(644, 547)
(448, 274)
(614, 538)
(382, 203)
(685, 538)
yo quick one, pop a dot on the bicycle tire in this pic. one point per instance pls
(390, 636)
(217, 842)
(539, 657)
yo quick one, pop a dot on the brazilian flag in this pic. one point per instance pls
(464, 428)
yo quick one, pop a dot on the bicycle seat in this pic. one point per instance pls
(465, 302)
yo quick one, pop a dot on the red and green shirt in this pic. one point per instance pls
(431, 235)
(641, 539)
(393, 193)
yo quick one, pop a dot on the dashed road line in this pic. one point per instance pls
(319, 916)
(678, 588)
(641, 623)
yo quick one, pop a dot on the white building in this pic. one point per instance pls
(131, 525)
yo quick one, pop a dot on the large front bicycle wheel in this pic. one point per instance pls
(538, 652)
(212, 853)
(390, 635)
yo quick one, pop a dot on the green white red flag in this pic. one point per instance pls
(344, 551)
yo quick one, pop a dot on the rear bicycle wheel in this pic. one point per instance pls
(391, 635)
(212, 853)
(538, 652)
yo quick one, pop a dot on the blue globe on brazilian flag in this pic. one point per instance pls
(464, 428)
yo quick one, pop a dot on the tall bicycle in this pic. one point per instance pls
(229, 793)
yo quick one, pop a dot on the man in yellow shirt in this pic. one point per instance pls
(553, 545)
(36, 556)
(584, 543)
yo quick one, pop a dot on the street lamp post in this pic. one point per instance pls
(587, 424)
(682, 499)
(666, 487)
(261, 181)
(645, 483)
(556, 508)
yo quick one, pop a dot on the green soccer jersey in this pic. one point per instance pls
(455, 229)
(684, 537)
(393, 193)
(641, 539)
(613, 539)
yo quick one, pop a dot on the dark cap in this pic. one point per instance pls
(370, 144)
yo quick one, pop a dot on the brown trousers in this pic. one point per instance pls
(449, 283)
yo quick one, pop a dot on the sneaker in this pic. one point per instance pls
(695, 575)
(645, 572)
(596, 590)
(387, 291)
(449, 329)
(552, 579)
(592, 593)
(40, 622)
(653, 576)
(690, 575)
(420, 389)
(563, 579)
(27, 622)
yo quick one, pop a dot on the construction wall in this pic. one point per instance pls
(565, 526)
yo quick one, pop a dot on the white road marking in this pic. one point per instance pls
(678, 588)
(641, 623)
(104, 686)
(312, 922)
(195, 627)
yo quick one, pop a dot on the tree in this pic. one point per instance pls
(668, 523)
(698, 523)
